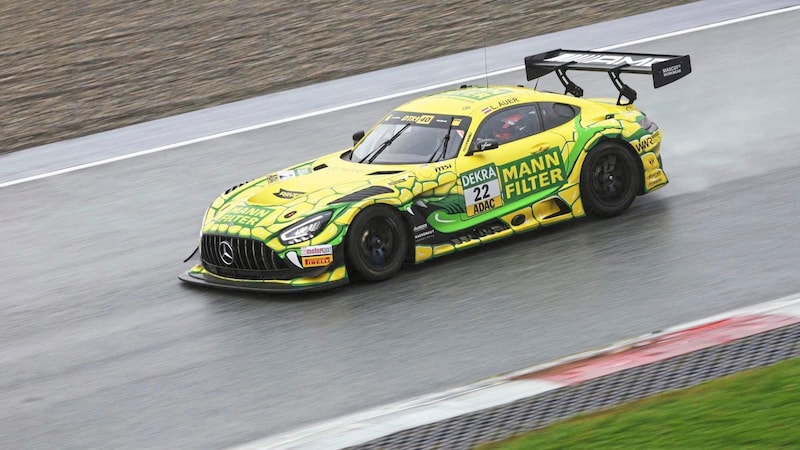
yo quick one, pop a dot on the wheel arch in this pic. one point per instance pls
(617, 139)
(394, 204)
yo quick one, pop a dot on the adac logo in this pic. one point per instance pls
(283, 193)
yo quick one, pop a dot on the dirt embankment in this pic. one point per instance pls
(72, 68)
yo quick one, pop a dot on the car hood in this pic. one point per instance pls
(271, 203)
(289, 188)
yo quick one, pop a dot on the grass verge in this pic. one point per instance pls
(756, 409)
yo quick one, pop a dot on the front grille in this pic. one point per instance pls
(242, 258)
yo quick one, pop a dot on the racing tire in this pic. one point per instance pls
(376, 243)
(610, 180)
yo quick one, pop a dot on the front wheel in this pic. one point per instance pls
(376, 243)
(610, 180)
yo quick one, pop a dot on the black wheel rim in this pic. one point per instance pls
(610, 178)
(378, 244)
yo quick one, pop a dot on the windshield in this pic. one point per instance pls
(410, 138)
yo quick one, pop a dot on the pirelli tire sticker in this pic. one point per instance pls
(316, 255)
(482, 191)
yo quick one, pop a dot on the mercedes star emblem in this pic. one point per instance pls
(226, 252)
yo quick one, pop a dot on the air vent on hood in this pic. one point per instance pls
(320, 167)
(231, 189)
(385, 172)
(362, 194)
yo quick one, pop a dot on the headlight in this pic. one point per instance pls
(305, 229)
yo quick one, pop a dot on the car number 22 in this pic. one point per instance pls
(484, 197)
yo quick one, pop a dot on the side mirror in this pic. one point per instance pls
(481, 145)
(357, 136)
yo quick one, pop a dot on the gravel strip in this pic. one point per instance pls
(72, 68)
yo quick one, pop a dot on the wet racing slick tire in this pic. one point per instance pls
(376, 243)
(610, 180)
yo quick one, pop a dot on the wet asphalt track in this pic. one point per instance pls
(103, 347)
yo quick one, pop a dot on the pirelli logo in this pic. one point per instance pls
(316, 255)
(317, 261)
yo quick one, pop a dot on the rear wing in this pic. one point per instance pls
(665, 69)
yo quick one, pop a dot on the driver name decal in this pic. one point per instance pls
(481, 190)
(532, 174)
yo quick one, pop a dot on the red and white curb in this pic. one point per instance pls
(374, 423)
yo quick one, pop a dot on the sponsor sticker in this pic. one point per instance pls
(423, 235)
(316, 250)
(244, 215)
(317, 261)
(532, 174)
(647, 142)
(422, 119)
(481, 190)
(444, 167)
(283, 193)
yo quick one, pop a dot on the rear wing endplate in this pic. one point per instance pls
(665, 69)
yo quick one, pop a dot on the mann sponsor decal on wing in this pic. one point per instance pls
(527, 176)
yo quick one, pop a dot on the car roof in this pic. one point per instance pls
(478, 100)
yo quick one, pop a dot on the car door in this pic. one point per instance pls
(526, 166)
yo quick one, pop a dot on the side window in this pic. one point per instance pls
(510, 124)
(555, 114)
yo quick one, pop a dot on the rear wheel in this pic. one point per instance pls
(376, 243)
(610, 180)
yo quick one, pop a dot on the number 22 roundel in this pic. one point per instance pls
(481, 190)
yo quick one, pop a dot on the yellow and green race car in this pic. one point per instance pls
(439, 174)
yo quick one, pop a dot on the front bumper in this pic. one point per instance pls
(248, 264)
(197, 275)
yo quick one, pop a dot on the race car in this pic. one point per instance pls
(439, 174)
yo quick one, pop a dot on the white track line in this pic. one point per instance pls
(377, 99)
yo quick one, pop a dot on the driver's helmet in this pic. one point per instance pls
(508, 128)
